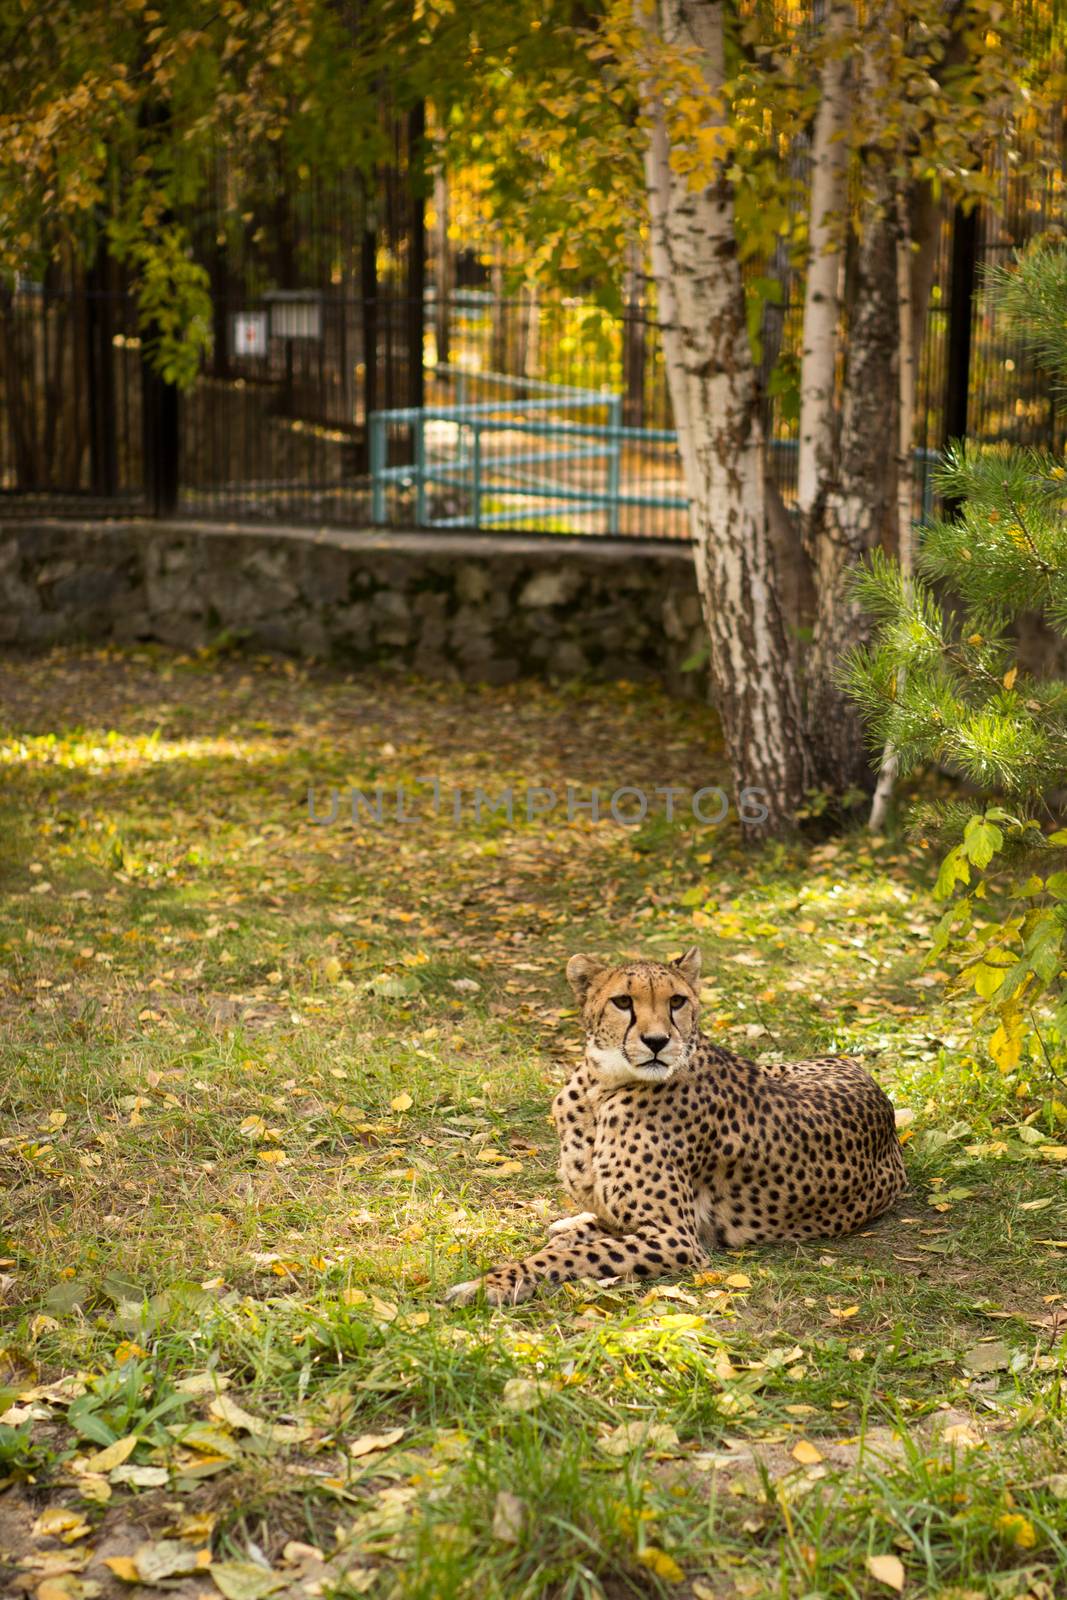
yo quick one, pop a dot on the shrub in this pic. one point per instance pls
(941, 684)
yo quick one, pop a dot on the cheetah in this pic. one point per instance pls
(674, 1146)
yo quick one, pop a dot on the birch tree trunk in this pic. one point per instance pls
(859, 507)
(714, 392)
(906, 377)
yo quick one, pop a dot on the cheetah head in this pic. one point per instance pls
(640, 1019)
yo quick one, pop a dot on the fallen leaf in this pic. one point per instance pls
(888, 1570)
(402, 1102)
(663, 1565)
(509, 1516)
(195, 1525)
(200, 1383)
(1018, 1530)
(962, 1435)
(67, 1587)
(227, 1410)
(806, 1453)
(992, 1357)
(331, 969)
(635, 1435)
(245, 1580)
(738, 1280)
(113, 1455)
(59, 1523)
(522, 1393)
(375, 1441)
(141, 1477)
(165, 1558)
(297, 1554)
(123, 1567)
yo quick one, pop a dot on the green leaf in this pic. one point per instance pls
(84, 1419)
(63, 1296)
(981, 841)
(954, 869)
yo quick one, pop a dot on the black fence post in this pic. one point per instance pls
(416, 156)
(960, 319)
(159, 404)
(100, 374)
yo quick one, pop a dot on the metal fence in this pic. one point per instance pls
(381, 370)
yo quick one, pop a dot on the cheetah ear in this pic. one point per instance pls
(581, 970)
(689, 966)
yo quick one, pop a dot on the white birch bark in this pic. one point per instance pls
(820, 337)
(714, 393)
(906, 372)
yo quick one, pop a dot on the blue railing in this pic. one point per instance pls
(487, 476)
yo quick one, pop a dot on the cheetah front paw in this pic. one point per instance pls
(503, 1288)
(563, 1224)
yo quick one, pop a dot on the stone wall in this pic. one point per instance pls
(474, 606)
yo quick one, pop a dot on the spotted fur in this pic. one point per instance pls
(673, 1146)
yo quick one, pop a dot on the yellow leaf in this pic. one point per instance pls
(1018, 1530)
(331, 969)
(58, 1523)
(228, 1411)
(738, 1280)
(114, 1455)
(370, 1442)
(843, 1312)
(1054, 1152)
(253, 1126)
(1010, 677)
(127, 1351)
(663, 1565)
(1006, 1047)
(962, 1435)
(275, 1158)
(806, 1453)
(64, 1587)
(123, 1567)
(888, 1570)
(195, 1525)
(402, 1102)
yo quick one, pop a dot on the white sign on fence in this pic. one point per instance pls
(248, 333)
(295, 314)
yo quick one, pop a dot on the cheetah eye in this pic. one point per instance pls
(623, 1002)
(678, 1001)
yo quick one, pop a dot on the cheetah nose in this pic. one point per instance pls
(655, 1041)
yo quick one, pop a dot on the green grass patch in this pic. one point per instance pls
(269, 1087)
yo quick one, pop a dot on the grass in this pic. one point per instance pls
(270, 1085)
